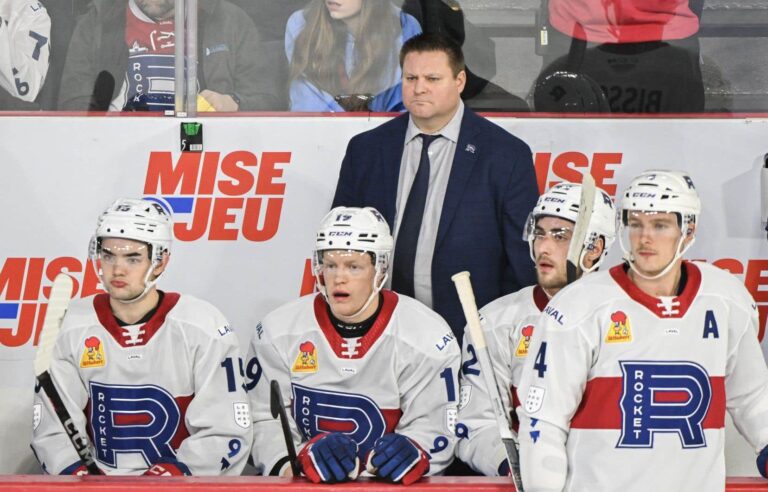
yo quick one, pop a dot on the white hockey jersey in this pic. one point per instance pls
(171, 387)
(399, 377)
(625, 391)
(508, 324)
(25, 31)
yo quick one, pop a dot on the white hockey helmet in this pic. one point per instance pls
(139, 220)
(562, 200)
(665, 192)
(354, 229)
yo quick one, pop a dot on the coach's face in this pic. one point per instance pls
(157, 9)
(430, 90)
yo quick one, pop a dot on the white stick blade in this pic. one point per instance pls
(586, 204)
(58, 302)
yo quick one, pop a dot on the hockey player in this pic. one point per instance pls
(153, 376)
(631, 370)
(371, 375)
(509, 321)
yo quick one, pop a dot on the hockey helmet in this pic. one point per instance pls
(354, 229)
(562, 201)
(138, 220)
(662, 191)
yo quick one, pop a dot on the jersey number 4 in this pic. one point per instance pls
(540, 364)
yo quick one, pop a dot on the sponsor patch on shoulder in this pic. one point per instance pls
(93, 355)
(620, 330)
(525, 341)
(242, 414)
(534, 399)
(306, 361)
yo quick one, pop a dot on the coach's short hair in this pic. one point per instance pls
(427, 42)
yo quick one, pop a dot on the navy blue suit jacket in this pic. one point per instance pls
(491, 190)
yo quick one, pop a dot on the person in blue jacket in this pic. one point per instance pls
(343, 55)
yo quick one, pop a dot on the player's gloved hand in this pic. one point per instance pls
(78, 469)
(762, 462)
(330, 458)
(168, 467)
(396, 458)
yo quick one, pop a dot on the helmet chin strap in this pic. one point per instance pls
(374, 294)
(630, 259)
(148, 284)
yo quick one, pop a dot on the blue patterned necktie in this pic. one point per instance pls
(410, 224)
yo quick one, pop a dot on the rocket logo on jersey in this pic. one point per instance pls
(143, 420)
(620, 330)
(93, 355)
(525, 341)
(663, 397)
(317, 411)
(306, 361)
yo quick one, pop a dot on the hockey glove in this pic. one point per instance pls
(329, 458)
(396, 458)
(504, 469)
(168, 467)
(77, 468)
(762, 462)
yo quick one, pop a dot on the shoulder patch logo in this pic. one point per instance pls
(306, 361)
(242, 414)
(534, 399)
(620, 330)
(93, 356)
(525, 341)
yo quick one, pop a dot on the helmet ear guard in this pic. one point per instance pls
(662, 191)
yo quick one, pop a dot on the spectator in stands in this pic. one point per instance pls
(121, 57)
(343, 55)
(25, 31)
(644, 56)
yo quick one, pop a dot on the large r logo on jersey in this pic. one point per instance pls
(317, 411)
(132, 419)
(663, 396)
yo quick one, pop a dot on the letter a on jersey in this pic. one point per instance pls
(93, 355)
(306, 361)
(620, 330)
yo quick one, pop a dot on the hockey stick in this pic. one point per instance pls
(576, 247)
(277, 408)
(508, 436)
(58, 301)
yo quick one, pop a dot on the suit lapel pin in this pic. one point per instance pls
(470, 148)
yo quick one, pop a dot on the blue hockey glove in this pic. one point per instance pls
(762, 462)
(504, 469)
(329, 458)
(396, 458)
